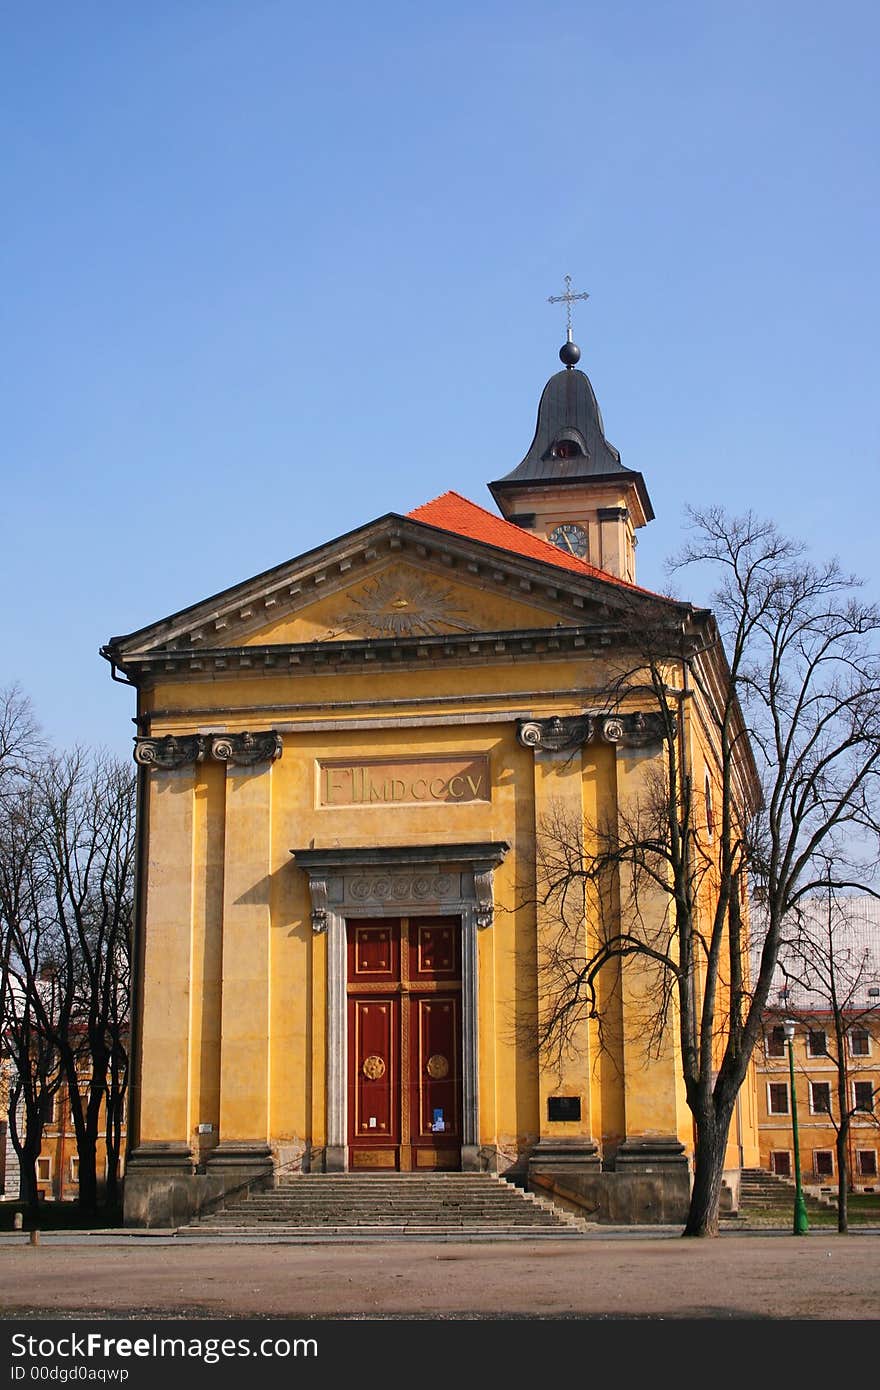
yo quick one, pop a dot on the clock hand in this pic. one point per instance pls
(568, 542)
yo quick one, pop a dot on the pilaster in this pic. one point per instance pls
(564, 1086)
(168, 927)
(652, 1072)
(247, 868)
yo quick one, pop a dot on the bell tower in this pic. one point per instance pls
(571, 487)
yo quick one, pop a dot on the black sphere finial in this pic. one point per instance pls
(569, 353)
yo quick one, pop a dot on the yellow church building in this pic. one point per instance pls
(344, 766)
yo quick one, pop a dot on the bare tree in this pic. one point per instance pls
(66, 886)
(33, 1075)
(781, 690)
(21, 746)
(88, 843)
(31, 988)
(832, 979)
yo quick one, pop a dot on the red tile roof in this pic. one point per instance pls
(452, 512)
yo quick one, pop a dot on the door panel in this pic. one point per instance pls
(404, 1043)
(436, 1081)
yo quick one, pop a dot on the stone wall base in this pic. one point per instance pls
(164, 1186)
(649, 1185)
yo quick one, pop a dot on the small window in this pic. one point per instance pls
(823, 1163)
(863, 1096)
(47, 1105)
(777, 1098)
(780, 1163)
(817, 1042)
(866, 1162)
(567, 449)
(775, 1042)
(820, 1097)
(74, 1169)
(859, 1042)
(44, 1170)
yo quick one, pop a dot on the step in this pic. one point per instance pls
(441, 1204)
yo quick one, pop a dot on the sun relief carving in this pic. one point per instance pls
(398, 604)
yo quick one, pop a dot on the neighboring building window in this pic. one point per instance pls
(49, 1110)
(775, 1042)
(44, 1170)
(863, 1096)
(859, 1042)
(823, 1163)
(780, 1163)
(866, 1162)
(777, 1098)
(817, 1042)
(710, 814)
(74, 1169)
(820, 1097)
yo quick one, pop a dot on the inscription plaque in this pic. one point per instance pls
(404, 781)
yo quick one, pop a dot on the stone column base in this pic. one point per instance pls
(650, 1155)
(336, 1158)
(564, 1156)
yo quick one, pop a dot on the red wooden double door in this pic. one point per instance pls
(404, 1043)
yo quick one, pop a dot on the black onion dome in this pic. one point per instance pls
(569, 443)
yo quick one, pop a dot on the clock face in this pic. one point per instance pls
(572, 538)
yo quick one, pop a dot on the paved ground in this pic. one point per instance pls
(604, 1275)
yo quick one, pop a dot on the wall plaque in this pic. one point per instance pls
(563, 1107)
(404, 781)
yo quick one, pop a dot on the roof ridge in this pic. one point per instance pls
(546, 550)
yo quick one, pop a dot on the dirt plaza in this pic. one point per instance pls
(604, 1275)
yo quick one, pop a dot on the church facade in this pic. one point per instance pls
(346, 767)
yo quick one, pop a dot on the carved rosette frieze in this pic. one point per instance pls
(402, 888)
(563, 735)
(179, 750)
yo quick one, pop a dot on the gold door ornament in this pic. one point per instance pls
(437, 1067)
(374, 1067)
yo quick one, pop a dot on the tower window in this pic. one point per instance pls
(568, 447)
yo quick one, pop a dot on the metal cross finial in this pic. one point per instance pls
(567, 299)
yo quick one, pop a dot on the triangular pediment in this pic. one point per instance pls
(395, 577)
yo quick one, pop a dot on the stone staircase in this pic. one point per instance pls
(768, 1200)
(428, 1205)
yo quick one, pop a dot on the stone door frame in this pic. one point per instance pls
(400, 881)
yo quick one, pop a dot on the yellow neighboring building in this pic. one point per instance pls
(816, 1080)
(840, 962)
(344, 763)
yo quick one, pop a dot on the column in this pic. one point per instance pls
(655, 1108)
(244, 1040)
(159, 1169)
(565, 1141)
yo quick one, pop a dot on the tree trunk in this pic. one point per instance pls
(27, 1149)
(709, 1150)
(88, 1174)
(842, 1146)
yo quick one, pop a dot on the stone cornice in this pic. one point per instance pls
(379, 653)
(180, 750)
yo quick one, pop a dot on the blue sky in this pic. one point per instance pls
(271, 270)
